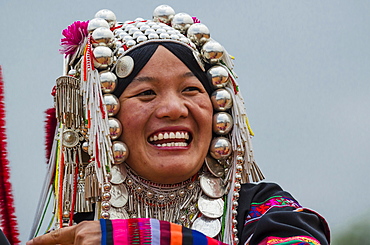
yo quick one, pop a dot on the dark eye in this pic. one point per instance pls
(192, 89)
(146, 93)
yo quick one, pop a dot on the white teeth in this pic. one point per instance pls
(169, 135)
(172, 144)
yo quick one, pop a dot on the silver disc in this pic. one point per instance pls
(119, 195)
(214, 167)
(124, 66)
(212, 208)
(212, 186)
(209, 227)
(118, 213)
(118, 174)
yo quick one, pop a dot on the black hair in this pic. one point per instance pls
(142, 55)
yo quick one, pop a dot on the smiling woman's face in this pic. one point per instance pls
(167, 120)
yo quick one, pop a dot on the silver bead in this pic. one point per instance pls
(120, 152)
(107, 187)
(212, 52)
(153, 36)
(160, 197)
(137, 34)
(150, 194)
(103, 57)
(70, 138)
(112, 104)
(126, 38)
(95, 23)
(148, 31)
(133, 30)
(236, 195)
(108, 81)
(235, 231)
(160, 30)
(181, 193)
(239, 168)
(105, 206)
(198, 33)
(85, 146)
(108, 15)
(115, 128)
(102, 36)
(238, 177)
(221, 100)
(237, 186)
(219, 76)
(65, 214)
(106, 196)
(172, 196)
(105, 215)
(222, 123)
(164, 35)
(220, 148)
(182, 22)
(163, 13)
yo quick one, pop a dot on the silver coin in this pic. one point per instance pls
(212, 186)
(212, 208)
(118, 174)
(124, 66)
(118, 213)
(119, 196)
(207, 226)
(214, 167)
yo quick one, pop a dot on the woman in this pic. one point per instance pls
(175, 105)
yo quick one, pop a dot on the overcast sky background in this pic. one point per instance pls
(303, 68)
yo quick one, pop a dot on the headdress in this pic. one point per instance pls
(97, 60)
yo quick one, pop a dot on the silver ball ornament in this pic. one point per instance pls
(96, 23)
(212, 52)
(222, 123)
(102, 36)
(220, 148)
(164, 14)
(120, 152)
(182, 22)
(112, 104)
(198, 33)
(115, 128)
(103, 57)
(108, 15)
(221, 100)
(219, 76)
(108, 81)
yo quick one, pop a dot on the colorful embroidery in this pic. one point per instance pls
(296, 240)
(257, 210)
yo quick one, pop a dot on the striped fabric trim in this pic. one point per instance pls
(257, 210)
(151, 231)
(296, 240)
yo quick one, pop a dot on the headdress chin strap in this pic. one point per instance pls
(85, 154)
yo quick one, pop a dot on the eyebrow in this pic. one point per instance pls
(150, 78)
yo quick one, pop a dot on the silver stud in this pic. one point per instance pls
(102, 36)
(182, 22)
(108, 15)
(95, 23)
(115, 128)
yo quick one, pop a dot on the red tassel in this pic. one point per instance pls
(50, 125)
(7, 211)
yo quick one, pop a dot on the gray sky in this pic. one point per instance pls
(303, 68)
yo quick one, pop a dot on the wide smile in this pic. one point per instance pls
(170, 139)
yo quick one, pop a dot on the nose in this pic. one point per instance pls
(172, 106)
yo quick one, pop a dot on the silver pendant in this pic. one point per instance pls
(212, 208)
(212, 186)
(124, 66)
(214, 167)
(119, 196)
(207, 226)
(118, 174)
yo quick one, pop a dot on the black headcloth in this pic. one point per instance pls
(142, 55)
